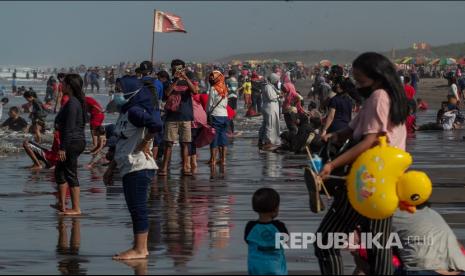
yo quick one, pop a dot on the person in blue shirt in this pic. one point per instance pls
(260, 235)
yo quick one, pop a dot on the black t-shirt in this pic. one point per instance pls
(343, 106)
(251, 224)
(185, 111)
(257, 87)
(18, 124)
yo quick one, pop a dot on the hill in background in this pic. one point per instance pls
(344, 56)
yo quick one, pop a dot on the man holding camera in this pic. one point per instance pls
(179, 116)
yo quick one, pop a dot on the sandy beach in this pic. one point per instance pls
(196, 225)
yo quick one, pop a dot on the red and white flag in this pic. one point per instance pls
(168, 23)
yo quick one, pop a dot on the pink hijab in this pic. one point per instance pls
(291, 97)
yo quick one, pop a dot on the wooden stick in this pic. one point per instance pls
(309, 154)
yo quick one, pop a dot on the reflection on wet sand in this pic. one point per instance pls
(140, 266)
(191, 213)
(71, 263)
(196, 225)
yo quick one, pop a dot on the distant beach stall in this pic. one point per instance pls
(325, 63)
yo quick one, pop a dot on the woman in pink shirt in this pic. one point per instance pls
(383, 113)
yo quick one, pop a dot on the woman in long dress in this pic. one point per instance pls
(269, 131)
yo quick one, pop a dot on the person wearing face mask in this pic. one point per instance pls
(337, 72)
(384, 113)
(269, 131)
(340, 110)
(135, 129)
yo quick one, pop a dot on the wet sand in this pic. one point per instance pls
(196, 225)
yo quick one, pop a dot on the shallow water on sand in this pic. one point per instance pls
(196, 225)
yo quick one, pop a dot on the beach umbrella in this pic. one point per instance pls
(461, 61)
(325, 63)
(447, 61)
(435, 61)
(451, 61)
(407, 60)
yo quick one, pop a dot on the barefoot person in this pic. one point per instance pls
(269, 131)
(179, 117)
(40, 155)
(97, 117)
(384, 113)
(70, 122)
(136, 127)
(217, 110)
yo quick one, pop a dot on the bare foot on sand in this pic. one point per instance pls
(131, 254)
(58, 207)
(71, 213)
(36, 168)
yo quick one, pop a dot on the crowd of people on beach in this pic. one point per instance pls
(195, 107)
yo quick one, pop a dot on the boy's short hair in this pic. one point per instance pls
(177, 62)
(265, 200)
(14, 109)
(5, 100)
(28, 94)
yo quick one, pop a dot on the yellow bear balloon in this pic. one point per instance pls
(378, 184)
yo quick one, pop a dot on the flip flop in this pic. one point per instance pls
(315, 202)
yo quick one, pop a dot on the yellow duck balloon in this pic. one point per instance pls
(378, 183)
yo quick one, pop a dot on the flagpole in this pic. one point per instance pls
(153, 35)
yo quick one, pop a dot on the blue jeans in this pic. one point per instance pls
(135, 186)
(220, 124)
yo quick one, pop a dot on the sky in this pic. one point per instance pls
(96, 33)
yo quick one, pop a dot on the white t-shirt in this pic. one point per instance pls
(213, 99)
(129, 136)
(448, 120)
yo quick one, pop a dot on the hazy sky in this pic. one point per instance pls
(72, 33)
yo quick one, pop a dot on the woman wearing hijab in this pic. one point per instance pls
(218, 113)
(292, 106)
(269, 131)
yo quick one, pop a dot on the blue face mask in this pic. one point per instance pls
(121, 100)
